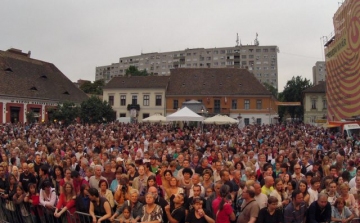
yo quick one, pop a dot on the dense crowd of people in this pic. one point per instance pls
(288, 173)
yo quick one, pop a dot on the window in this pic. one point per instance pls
(246, 121)
(111, 100)
(134, 100)
(324, 104)
(233, 104)
(243, 56)
(217, 106)
(146, 100)
(258, 121)
(247, 104)
(122, 115)
(258, 50)
(158, 100)
(122, 100)
(259, 104)
(145, 115)
(175, 104)
(313, 103)
(251, 56)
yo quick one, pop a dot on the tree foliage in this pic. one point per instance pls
(293, 93)
(134, 71)
(95, 88)
(94, 110)
(30, 117)
(66, 113)
(272, 89)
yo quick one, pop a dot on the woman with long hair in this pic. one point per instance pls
(280, 194)
(58, 175)
(67, 179)
(303, 189)
(173, 189)
(18, 199)
(165, 179)
(271, 213)
(151, 182)
(222, 207)
(82, 202)
(66, 202)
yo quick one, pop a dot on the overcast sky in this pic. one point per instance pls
(79, 35)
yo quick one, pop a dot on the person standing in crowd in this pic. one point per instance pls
(198, 214)
(26, 177)
(341, 213)
(319, 210)
(295, 212)
(175, 211)
(222, 206)
(249, 211)
(271, 213)
(94, 180)
(99, 207)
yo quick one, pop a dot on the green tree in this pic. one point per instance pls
(134, 71)
(30, 117)
(67, 113)
(293, 93)
(272, 89)
(94, 110)
(95, 88)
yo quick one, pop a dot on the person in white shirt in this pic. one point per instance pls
(313, 190)
(352, 182)
(218, 168)
(260, 198)
(196, 181)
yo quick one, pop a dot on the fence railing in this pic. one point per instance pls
(26, 213)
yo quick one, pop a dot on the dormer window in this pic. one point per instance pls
(33, 88)
(43, 77)
(8, 69)
(66, 92)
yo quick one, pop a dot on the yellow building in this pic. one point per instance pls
(315, 104)
(136, 96)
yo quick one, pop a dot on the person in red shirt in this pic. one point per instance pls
(77, 181)
(221, 206)
(66, 202)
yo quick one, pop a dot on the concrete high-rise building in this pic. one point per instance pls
(319, 72)
(260, 60)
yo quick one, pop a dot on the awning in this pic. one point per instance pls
(283, 103)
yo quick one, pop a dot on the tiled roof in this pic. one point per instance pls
(319, 88)
(214, 81)
(22, 76)
(138, 82)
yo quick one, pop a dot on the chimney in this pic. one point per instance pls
(29, 54)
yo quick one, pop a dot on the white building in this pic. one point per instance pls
(260, 60)
(319, 72)
(146, 94)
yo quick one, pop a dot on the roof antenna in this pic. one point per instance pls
(256, 41)
(237, 39)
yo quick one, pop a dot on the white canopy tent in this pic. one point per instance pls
(184, 114)
(155, 118)
(220, 120)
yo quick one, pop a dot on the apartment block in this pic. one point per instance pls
(260, 60)
(319, 72)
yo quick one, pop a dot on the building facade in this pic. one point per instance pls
(315, 104)
(30, 85)
(228, 91)
(137, 96)
(342, 56)
(319, 72)
(260, 60)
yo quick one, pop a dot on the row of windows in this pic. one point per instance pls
(265, 50)
(134, 100)
(234, 104)
(314, 102)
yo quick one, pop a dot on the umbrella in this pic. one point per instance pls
(220, 120)
(155, 118)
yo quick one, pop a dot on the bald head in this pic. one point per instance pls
(269, 181)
